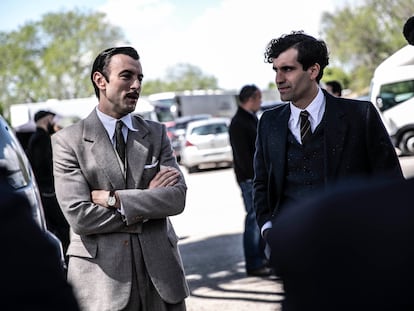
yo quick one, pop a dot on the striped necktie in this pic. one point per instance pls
(305, 129)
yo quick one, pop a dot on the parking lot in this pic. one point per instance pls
(210, 230)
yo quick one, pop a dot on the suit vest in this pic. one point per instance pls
(305, 171)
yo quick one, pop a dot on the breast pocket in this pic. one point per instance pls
(150, 170)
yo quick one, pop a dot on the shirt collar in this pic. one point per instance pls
(110, 122)
(316, 110)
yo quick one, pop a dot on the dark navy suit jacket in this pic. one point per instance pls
(356, 143)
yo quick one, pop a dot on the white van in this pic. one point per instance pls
(392, 91)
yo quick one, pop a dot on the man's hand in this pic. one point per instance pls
(100, 197)
(167, 176)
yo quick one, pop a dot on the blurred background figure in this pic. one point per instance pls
(334, 87)
(242, 138)
(408, 30)
(39, 152)
(30, 268)
(62, 122)
(350, 249)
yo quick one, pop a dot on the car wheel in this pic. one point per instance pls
(192, 169)
(406, 144)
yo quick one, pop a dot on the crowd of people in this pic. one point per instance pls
(327, 206)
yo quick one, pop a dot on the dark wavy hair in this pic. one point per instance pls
(310, 50)
(102, 61)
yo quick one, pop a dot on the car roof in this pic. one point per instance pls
(194, 124)
(185, 119)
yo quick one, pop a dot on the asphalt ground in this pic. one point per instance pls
(210, 231)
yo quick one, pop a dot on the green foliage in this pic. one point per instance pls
(51, 58)
(337, 74)
(361, 37)
(180, 77)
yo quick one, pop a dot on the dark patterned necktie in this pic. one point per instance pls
(119, 141)
(305, 128)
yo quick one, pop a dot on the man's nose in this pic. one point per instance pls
(136, 84)
(279, 78)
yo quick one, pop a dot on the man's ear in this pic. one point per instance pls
(100, 80)
(314, 70)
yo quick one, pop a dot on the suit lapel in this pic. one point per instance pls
(137, 152)
(97, 141)
(277, 139)
(335, 133)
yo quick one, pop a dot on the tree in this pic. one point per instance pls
(180, 77)
(51, 58)
(360, 38)
(337, 74)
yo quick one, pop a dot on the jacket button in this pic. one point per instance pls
(126, 243)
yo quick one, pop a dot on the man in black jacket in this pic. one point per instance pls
(242, 138)
(39, 152)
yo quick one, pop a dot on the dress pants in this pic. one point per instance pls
(144, 296)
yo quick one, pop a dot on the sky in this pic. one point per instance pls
(224, 38)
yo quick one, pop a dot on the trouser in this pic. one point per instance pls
(144, 296)
(253, 243)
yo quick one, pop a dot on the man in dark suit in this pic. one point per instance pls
(117, 182)
(316, 139)
(30, 268)
(348, 249)
(39, 152)
(242, 132)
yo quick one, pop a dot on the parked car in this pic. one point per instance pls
(179, 129)
(20, 176)
(207, 143)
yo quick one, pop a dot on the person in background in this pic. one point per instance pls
(39, 153)
(408, 30)
(316, 139)
(242, 132)
(334, 87)
(30, 268)
(117, 182)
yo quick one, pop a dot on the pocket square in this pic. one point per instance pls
(152, 165)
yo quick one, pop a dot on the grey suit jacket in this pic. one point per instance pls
(355, 144)
(100, 266)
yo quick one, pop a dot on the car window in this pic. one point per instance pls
(11, 159)
(393, 94)
(210, 129)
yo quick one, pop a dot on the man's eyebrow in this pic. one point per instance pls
(284, 67)
(140, 75)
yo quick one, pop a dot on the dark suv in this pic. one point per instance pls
(20, 176)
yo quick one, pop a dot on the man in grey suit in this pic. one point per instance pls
(117, 186)
(315, 139)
